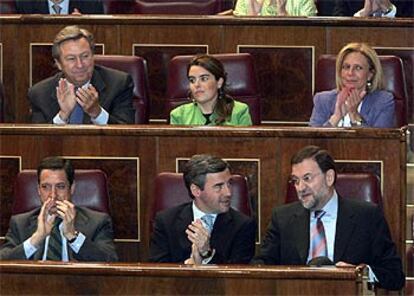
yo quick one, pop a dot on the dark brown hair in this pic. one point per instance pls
(225, 103)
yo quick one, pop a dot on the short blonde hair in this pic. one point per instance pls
(373, 61)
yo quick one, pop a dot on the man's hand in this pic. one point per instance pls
(65, 92)
(44, 223)
(88, 99)
(195, 257)
(199, 236)
(66, 210)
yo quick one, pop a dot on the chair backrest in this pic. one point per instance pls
(7, 7)
(2, 99)
(91, 191)
(393, 76)
(362, 186)
(241, 81)
(137, 68)
(170, 191)
(197, 7)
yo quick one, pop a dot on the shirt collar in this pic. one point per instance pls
(197, 213)
(331, 207)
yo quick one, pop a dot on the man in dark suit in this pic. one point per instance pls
(381, 8)
(354, 232)
(82, 234)
(64, 6)
(206, 230)
(82, 92)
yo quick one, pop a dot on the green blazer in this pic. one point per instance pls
(190, 114)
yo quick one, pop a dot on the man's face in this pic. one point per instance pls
(216, 196)
(54, 185)
(314, 188)
(76, 61)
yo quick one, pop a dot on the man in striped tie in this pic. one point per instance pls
(324, 225)
(59, 230)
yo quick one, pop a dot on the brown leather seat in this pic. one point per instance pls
(170, 191)
(393, 76)
(137, 68)
(362, 186)
(241, 80)
(91, 191)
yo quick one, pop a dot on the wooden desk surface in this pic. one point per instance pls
(47, 278)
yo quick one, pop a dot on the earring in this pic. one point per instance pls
(369, 84)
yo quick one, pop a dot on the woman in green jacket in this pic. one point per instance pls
(210, 104)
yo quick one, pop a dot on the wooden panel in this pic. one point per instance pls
(158, 148)
(168, 279)
(285, 77)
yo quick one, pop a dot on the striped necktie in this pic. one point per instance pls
(57, 8)
(54, 249)
(318, 238)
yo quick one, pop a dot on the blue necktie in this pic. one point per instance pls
(77, 115)
(208, 221)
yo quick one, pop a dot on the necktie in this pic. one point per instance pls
(77, 115)
(208, 221)
(57, 8)
(318, 239)
(54, 249)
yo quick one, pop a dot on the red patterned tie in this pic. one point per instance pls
(318, 242)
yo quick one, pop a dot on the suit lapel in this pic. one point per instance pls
(300, 228)
(221, 227)
(344, 229)
(184, 219)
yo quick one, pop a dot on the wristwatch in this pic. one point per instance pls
(357, 122)
(206, 254)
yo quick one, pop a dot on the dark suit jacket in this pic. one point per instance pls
(115, 90)
(96, 226)
(362, 236)
(405, 8)
(233, 236)
(41, 6)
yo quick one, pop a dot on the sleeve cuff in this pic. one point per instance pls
(78, 243)
(29, 249)
(102, 118)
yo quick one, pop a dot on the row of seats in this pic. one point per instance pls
(194, 7)
(169, 190)
(242, 81)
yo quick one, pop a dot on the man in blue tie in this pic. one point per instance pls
(206, 230)
(324, 225)
(60, 6)
(59, 230)
(81, 92)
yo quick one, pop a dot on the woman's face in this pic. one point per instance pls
(355, 71)
(203, 85)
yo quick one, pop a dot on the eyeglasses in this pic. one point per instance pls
(307, 179)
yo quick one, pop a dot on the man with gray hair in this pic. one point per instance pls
(206, 230)
(81, 92)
